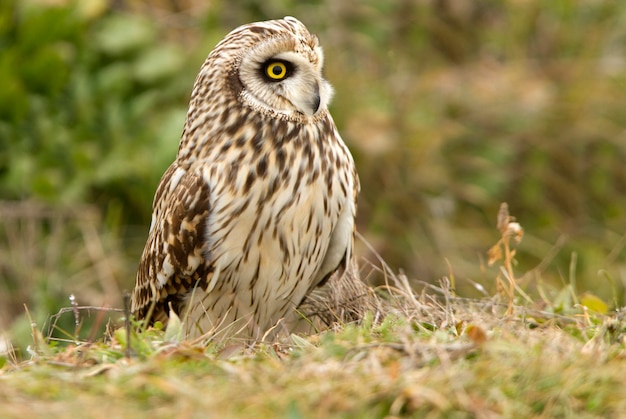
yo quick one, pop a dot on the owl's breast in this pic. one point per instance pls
(268, 235)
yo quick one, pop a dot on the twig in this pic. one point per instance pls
(127, 323)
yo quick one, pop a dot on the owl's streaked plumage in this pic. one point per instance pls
(259, 207)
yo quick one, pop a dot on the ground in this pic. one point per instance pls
(430, 354)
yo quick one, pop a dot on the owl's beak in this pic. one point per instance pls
(316, 100)
(310, 100)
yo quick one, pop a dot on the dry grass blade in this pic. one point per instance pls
(511, 233)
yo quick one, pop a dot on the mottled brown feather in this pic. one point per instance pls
(172, 242)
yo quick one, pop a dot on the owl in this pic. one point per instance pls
(258, 209)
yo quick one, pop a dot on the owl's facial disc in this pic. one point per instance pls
(288, 83)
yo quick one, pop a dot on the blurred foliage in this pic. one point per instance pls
(449, 108)
(90, 105)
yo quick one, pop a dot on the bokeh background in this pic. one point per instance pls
(449, 107)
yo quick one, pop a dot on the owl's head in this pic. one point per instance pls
(273, 67)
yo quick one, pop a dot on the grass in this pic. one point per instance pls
(470, 361)
(422, 354)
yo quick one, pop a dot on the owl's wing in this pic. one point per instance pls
(174, 259)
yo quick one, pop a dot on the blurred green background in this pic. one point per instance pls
(449, 107)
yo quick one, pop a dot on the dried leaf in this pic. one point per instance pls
(476, 334)
(514, 230)
(494, 254)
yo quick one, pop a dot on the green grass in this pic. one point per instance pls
(428, 354)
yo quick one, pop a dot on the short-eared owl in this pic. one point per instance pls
(258, 208)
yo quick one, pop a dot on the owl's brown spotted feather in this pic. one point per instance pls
(258, 208)
(173, 260)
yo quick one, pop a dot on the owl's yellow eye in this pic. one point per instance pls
(276, 70)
